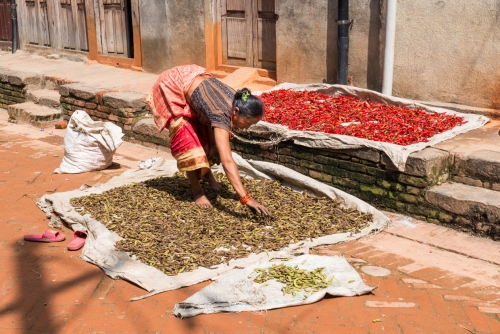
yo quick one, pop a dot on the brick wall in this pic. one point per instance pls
(11, 94)
(118, 108)
(364, 173)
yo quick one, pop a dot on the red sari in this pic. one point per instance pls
(167, 100)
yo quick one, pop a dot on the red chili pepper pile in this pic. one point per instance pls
(347, 115)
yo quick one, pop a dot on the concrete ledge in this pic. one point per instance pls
(368, 154)
(45, 97)
(458, 198)
(33, 114)
(430, 163)
(493, 113)
(145, 130)
(20, 78)
(80, 91)
(128, 99)
(477, 206)
(481, 164)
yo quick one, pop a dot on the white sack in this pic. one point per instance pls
(99, 246)
(238, 292)
(88, 145)
(397, 153)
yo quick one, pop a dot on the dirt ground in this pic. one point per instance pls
(436, 280)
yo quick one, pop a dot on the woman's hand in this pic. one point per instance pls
(257, 208)
(222, 141)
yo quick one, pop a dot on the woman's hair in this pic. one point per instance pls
(249, 105)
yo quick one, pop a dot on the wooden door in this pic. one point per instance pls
(115, 28)
(237, 32)
(264, 46)
(37, 26)
(5, 21)
(249, 33)
(73, 25)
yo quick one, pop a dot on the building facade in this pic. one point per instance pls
(446, 51)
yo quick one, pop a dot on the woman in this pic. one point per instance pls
(200, 113)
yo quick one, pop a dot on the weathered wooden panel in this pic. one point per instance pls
(68, 29)
(82, 25)
(266, 40)
(249, 33)
(73, 25)
(236, 5)
(266, 6)
(43, 22)
(5, 21)
(114, 33)
(236, 38)
(32, 22)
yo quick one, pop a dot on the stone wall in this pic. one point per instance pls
(11, 94)
(14, 86)
(368, 175)
(121, 108)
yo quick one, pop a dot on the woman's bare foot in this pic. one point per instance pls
(209, 177)
(202, 200)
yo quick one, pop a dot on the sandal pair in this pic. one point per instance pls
(56, 236)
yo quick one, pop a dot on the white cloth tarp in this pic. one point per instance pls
(397, 153)
(99, 246)
(238, 292)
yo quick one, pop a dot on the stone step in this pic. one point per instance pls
(480, 168)
(145, 132)
(34, 114)
(250, 78)
(475, 156)
(476, 206)
(219, 74)
(45, 97)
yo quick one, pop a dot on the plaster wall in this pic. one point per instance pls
(449, 51)
(153, 35)
(302, 43)
(185, 33)
(172, 34)
(446, 51)
(307, 47)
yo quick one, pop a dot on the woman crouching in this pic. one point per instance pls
(200, 113)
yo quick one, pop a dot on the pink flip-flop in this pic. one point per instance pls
(47, 236)
(78, 240)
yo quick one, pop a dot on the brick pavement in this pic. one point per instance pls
(440, 281)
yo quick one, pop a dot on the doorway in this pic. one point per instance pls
(5, 24)
(73, 25)
(249, 33)
(116, 28)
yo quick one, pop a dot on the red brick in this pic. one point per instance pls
(326, 329)
(61, 125)
(90, 105)
(103, 109)
(477, 319)
(451, 280)
(79, 103)
(388, 325)
(493, 324)
(272, 324)
(329, 319)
